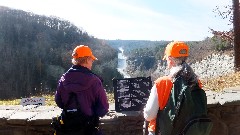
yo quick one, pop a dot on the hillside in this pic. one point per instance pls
(201, 49)
(36, 50)
(143, 61)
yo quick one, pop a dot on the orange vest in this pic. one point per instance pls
(163, 85)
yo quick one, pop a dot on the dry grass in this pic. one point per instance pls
(10, 102)
(49, 100)
(110, 97)
(219, 83)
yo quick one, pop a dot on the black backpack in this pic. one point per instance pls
(185, 112)
(75, 122)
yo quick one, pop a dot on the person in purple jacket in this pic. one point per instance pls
(80, 90)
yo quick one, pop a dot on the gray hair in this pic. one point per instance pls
(184, 70)
(179, 60)
(79, 61)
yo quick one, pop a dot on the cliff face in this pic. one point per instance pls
(209, 67)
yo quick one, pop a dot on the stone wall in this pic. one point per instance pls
(35, 120)
(124, 123)
(223, 108)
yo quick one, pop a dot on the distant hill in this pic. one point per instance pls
(129, 45)
(204, 47)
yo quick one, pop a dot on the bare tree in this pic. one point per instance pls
(233, 35)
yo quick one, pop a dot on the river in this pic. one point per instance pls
(122, 63)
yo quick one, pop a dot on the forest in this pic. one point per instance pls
(36, 50)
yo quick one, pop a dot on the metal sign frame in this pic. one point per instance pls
(131, 94)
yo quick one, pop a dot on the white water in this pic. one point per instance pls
(122, 63)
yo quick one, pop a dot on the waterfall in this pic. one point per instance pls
(122, 63)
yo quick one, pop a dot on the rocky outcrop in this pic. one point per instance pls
(211, 66)
(214, 65)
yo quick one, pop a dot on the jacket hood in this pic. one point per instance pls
(80, 76)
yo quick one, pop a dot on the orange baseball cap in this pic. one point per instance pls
(176, 49)
(82, 51)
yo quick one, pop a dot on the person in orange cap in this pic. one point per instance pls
(176, 54)
(81, 95)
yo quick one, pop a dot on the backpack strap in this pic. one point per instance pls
(180, 97)
(178, 106)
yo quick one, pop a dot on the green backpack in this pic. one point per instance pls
(186, 111)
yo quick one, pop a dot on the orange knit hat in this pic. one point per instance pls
(82, 51)
(176, 49)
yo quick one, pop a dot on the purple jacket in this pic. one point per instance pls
(90, 93)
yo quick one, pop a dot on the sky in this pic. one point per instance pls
(155, 20)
